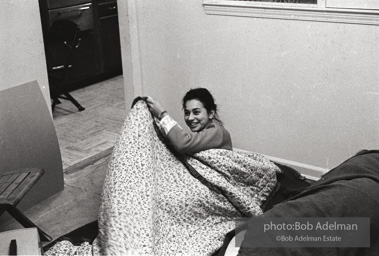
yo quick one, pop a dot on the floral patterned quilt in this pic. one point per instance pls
(153, 204)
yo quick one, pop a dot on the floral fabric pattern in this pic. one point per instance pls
(152, 205)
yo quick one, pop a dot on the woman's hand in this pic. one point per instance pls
(155, 107)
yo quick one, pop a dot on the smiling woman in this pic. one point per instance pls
(200, 114)
(196, 115)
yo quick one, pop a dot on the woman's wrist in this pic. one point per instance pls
(162, 114)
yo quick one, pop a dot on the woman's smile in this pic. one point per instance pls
(192, 125)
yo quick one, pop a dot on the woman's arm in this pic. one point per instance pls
(193, 142)
(213, 136)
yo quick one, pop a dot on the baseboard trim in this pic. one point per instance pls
(310, 172)
(88, 161)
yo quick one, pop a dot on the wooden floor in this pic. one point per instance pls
(86, 136)
(86, 140)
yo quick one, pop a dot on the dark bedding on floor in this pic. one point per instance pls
(289, 183)
(86, 233)
(349, 190)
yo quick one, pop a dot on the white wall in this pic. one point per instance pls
(302, 91)
(22, 56)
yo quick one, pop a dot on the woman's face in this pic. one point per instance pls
(196, 116)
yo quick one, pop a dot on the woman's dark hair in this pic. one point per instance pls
(205, 97)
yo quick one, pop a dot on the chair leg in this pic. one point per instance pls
(56, 101)
(72, 99)
(26, 222)
(56, 93)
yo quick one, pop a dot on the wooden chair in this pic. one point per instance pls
(14, 185)
(64, 37)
